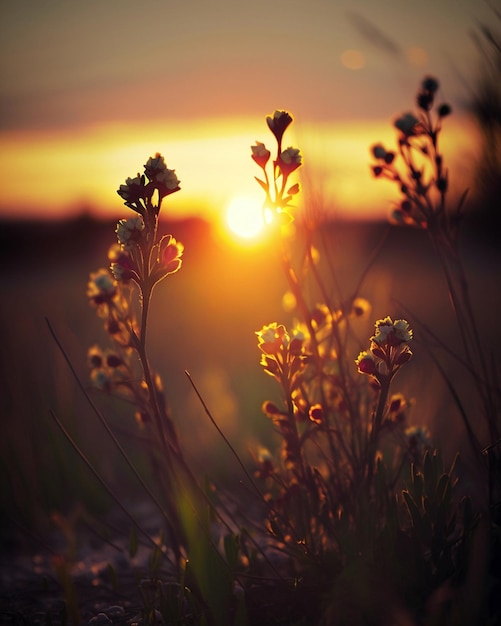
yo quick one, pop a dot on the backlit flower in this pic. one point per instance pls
(260, 154)
(133, 190)
(154, 166)
(168, 179)
(272, 338)
(392, 333)
(366, 363)
(316, 414)
(129, 231)
(101, 287)
(289, 160)
(278, 123)
(170, 254)
(407, 124)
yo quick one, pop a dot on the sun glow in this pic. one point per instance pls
(244, 216)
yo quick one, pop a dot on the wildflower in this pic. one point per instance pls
(407, 124)
(169, 180)
(155, 166)
(316, 414)
(260, 154)
(113, 360)
(392, 333)
(444, 110)
(170, 254)
(296, 343)
(95, 357)
(101, 287)
(272, 338)
(129, 231)
(380, 152)
(366, 363)
(389, 349)
(289, 160)
(430, 84)
(132, 191)
(360, 306)
(426, 96)
(159, 175)
(270, 409)
(122, 266)
(279, 123)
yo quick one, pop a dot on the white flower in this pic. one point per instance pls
(402, 330)
(167, 178)
(129, 231)
(132, 190)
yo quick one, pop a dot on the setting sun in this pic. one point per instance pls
(244, 216)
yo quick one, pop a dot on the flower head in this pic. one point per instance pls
(260, 154)
(289, 160)
(129, 231)
(278, 124)
(408, 125)
(316, 414)
(133, 190)
(392, 333)
(101, 287)
(366, 363)
(170, 254)
(272, 338)
(164, 179)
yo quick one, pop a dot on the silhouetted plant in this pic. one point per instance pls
(337, 506)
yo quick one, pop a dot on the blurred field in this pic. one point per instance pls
(203, 320)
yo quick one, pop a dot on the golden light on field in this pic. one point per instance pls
(68, 171)
(244, 216)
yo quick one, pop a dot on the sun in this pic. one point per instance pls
(244, 216)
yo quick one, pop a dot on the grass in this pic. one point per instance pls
(288, 515)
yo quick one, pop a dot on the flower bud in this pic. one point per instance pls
(279, 123)
(407, 124)
(366, 363)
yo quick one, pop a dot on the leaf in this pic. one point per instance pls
(262, 183)
(429, 473)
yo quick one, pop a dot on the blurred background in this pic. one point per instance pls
(90, 90)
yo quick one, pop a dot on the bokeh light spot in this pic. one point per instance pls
(353, 59)
(417, 57)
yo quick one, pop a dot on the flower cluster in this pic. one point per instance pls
(389, 350)
(423, 179)
(278, 193)
(138, 191)
(282, 352)
(139, 256)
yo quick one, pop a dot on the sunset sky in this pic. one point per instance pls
(91, 88)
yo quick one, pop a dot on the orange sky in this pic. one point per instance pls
(91, 89)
